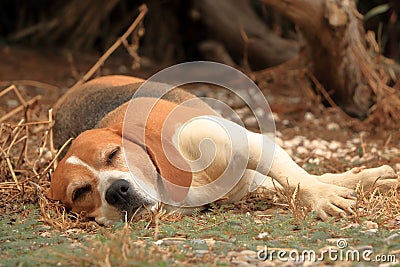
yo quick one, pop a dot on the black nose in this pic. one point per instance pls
(119, 194)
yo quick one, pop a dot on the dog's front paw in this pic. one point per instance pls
(328, 200)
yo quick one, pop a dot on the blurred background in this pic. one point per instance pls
(173, 30)
(292, 56)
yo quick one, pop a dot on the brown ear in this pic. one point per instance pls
(58, 182)
(54, 186)
(175, 180)
(49, 193)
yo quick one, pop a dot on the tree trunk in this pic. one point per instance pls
(335, 49)
(235, 24)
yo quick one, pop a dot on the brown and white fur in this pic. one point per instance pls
(93, 177)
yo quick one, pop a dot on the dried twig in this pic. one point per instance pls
(45, 171)
(143, 10)
(16, 92)
(19, 108)
(51, 137)
(32, 83)
(321, 89)
(11, 169)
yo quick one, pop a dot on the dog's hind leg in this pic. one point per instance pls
(264, 156)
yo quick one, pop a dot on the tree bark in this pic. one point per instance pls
(335, 49)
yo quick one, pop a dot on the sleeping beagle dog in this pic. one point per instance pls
(178, 151)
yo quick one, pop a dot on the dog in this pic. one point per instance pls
(110, 170)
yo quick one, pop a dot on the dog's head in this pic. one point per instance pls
(94, 177)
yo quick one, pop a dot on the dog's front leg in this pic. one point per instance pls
(326, 199)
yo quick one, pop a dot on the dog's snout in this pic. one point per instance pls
(122, 195)
(118, 193)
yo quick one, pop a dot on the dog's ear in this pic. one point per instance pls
(172, 169)
(49, 193)
(57, 185)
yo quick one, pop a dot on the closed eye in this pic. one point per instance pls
(80, 192)
(112, 154)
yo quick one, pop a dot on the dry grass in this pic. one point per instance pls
(382, 208)
(292, 200)
(26, 155)
(27, 161)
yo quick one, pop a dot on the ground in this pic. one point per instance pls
(35, 231)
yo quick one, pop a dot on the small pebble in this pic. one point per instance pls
(371, 231)
(235, 101)
(320, 152)
(259, 112)
(332, 126)
(262, 236)
(201, 252)
(197, 241)
(308, 116)
(371, 225)
(334, 145)
(314, 161)
(302, 150)
(251, 122)
(242, 112)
